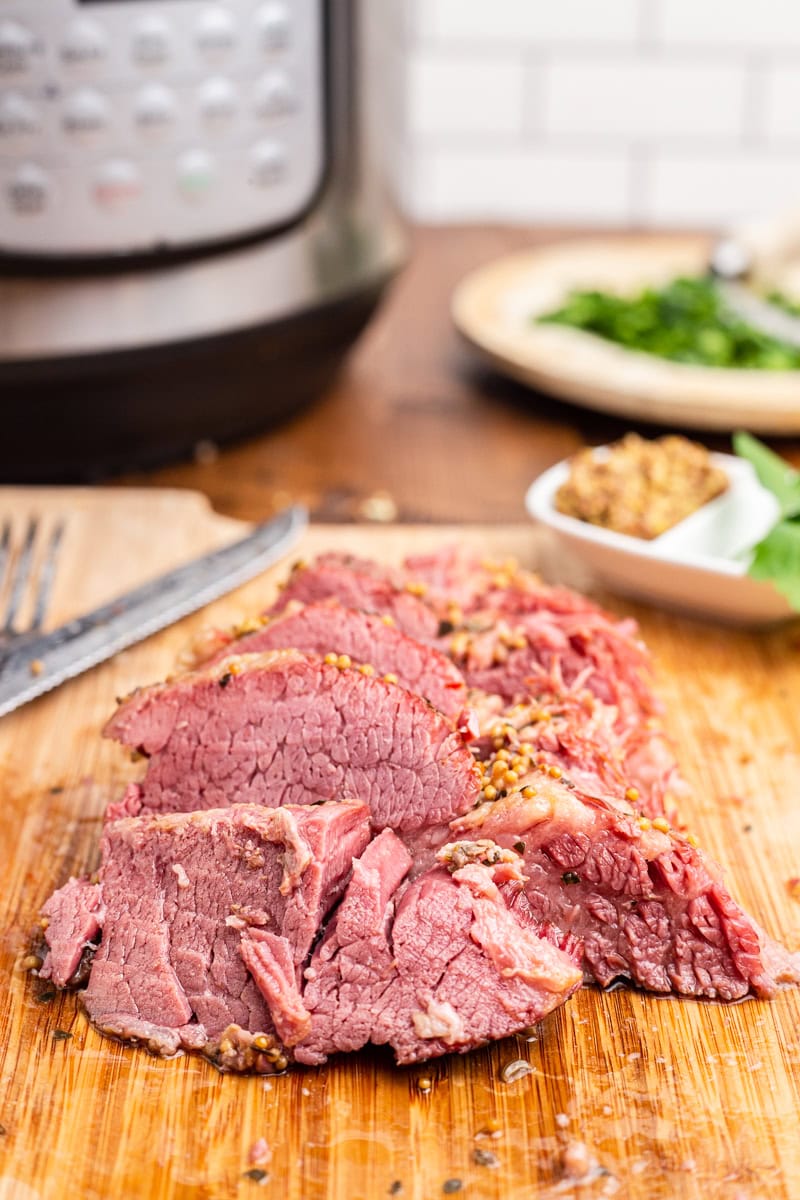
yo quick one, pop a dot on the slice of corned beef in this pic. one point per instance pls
(514, 658)
(362, 584)
(503, 628)
(459, 581)
(573, 730)
(445, 966)
(648, 905)
(509, 632)
(286, 728)
(184, 898)
(74, 917)
(328, 627)
(354, 964)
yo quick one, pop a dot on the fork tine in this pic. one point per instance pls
(20, 574)
(46, 576)
(5, 539)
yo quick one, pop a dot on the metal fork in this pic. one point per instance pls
(19, 579)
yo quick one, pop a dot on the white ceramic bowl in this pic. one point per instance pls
(698, 566)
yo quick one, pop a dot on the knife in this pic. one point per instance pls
(38, 664)
(745, 260)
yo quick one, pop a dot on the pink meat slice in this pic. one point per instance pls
(361, 584)
(455, 577)
(74, 915)
(287, 728)
(440, 966)
(274, 972)
(180, 893)
(354, 965)
(516, 657)
(571, 729)
(328, 627)
(648, 905)
(510, 633)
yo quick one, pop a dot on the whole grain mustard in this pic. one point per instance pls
(641, 488)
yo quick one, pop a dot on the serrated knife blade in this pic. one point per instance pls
(91, 639)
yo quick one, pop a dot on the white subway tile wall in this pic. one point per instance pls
(646, 112)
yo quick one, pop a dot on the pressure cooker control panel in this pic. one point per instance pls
(129, 126)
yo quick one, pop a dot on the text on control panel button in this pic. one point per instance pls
(17, 45)
(267, 163)
(216, 33)
(195, 172)
(29, 190)
(152, 42)
(272, 23)
(218, 100)
(155, 108)
(85, 43)
(18, 117)
(274, 95)
(117, 182)
(85, 112)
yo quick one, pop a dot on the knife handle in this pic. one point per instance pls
(769, 245)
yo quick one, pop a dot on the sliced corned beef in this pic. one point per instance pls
(504, 628)
(511, 634)
(648, 905)
(514, 658)
(74, 916)
(575, 731)
(328, 627)
(354, 964)
(286, 728)
(443, 968)
(362, 584)
(457, 578)
(184, 897)
(208, 918)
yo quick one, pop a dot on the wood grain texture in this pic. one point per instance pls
(659, 1097)
(415, 412)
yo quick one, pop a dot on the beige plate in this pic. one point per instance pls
(494, 306)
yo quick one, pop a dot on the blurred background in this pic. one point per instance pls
(631, 112)
(231, 231)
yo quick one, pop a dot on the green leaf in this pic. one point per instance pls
(773, 472)
(777, 559)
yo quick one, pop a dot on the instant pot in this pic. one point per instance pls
(193, 224)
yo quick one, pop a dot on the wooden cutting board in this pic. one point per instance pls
(649, 1097)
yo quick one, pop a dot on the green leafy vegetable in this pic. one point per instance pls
(776, 558)
(686, 321)
(773, 472)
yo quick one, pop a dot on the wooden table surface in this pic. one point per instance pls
(412, 415)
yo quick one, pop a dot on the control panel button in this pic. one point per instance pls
(267, 163)
(218, 101)
(152, 42)
(18, 117)
(216, 33)
(154, 109)
(274, 95)
(17, 46)
(116, 183)
(195, 172)
(85, 113)
(272, 23)
(85, 44)
(29, 190)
